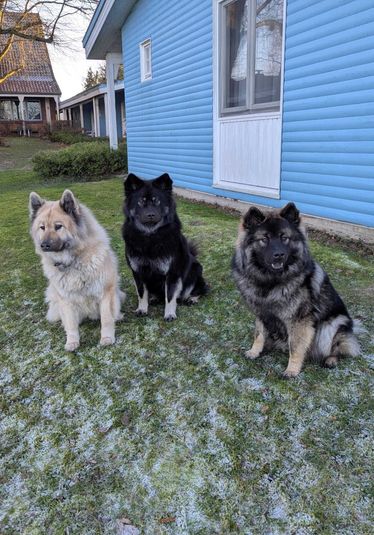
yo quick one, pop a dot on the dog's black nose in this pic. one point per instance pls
(278, 256)
(45, 245)
(151, 216)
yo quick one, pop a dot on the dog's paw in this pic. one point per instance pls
(107, 340)
(170, 317)
(72, 345)
(252, 355)
(331, 362)
(290, 374)
(141, 312)
(192, 300)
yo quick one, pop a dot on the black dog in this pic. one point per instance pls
(162, 261)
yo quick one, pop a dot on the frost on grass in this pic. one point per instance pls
(173, 422)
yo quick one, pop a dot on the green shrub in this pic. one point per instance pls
(81, 161)
(69, 137)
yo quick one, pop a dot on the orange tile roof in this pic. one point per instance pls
(36, 76)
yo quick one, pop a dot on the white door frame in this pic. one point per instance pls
(239, 119)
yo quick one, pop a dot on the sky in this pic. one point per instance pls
(69, 61)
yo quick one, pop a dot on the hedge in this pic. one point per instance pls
(81, 161)
(69, 137)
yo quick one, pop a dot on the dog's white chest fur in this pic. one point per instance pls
(161, 265)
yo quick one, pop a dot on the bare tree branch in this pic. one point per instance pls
(20, 19)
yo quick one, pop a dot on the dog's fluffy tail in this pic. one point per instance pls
(193, 248)
(348, 341)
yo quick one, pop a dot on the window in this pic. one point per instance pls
(33, 110)
(251, 54)
(9, 110)
(145, 60)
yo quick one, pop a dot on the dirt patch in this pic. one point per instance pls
(356, 246)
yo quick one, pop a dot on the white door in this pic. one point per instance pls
(248, 69)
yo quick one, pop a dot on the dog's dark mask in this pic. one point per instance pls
(149, 203)
(273, 238)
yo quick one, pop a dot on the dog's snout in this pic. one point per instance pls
(45, 245)
(278, 255)
(151, 216)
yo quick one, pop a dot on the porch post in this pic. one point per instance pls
(48, 111)
(113, 61)
(96, 117)
(57, 101)
(106, 112)
(21, 99)
(81, 116)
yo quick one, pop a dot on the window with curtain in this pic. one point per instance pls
(251, 33)
(33, 110)
(9, 110)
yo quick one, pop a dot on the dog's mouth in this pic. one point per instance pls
(151, 223)
(277, 266)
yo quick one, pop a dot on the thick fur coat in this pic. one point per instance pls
(79, 264)
(162, 261)
(295, 304)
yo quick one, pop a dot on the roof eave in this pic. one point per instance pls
(103, 34)
(89, 94)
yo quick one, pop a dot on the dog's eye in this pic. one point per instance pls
(264, 240)
(58, 226)
(155, 201)
(42, 227)
(285, 239)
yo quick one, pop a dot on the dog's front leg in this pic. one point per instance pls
(70, 321)
(173, 288)
(259, 341)
(142, 292)
(300, 336)
(107, 318)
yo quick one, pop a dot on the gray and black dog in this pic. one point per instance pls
(296, 306)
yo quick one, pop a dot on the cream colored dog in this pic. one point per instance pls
(79, 264)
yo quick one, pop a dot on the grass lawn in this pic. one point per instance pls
(20, 150)
(172, 428)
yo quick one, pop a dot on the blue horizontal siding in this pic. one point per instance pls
(328, 121)
(327, 163)
(169, 118)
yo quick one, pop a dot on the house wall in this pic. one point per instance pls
(169, 118)
(88, 116)
(119, 99)
(328, 113)
(102, 117)
(328, 119)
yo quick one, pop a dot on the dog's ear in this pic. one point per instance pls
(163, 182)
(291, 213)
(253, 217)
(35, 202)
(133, 183)
(70, 205)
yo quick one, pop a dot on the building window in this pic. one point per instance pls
(251, 33)
(33, 110)
(145, 60)
(9, 110)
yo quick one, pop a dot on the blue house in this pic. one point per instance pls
(265, 101)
